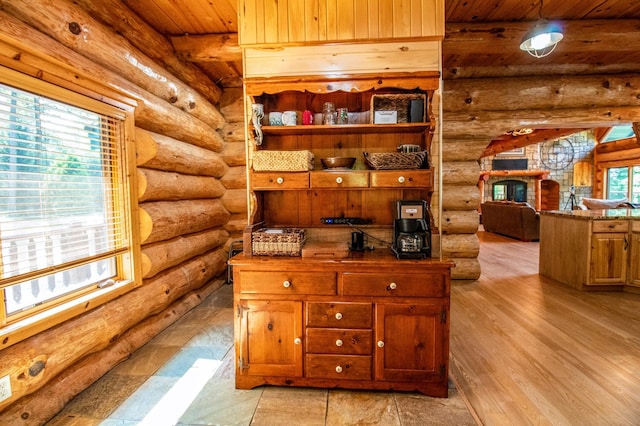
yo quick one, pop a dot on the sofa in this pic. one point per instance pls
(512, 219)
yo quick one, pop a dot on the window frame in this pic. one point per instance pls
(629, 167)
(50, 313)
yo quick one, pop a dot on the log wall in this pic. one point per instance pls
(191, 168)
(475, 111)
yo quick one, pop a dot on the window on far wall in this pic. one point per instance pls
(624, 182)
(64, 228)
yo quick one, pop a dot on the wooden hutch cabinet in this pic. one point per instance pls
(359, 319)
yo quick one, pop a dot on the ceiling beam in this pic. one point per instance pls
(208, 47)
(620, 35)
(507, 142)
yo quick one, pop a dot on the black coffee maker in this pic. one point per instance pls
(411, 230)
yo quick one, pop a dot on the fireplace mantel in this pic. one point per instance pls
(537, 174)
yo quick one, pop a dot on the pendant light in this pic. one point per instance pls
(543, 38)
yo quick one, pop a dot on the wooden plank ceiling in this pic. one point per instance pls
(482, 40)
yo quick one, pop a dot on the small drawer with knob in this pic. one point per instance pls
(279, 180)
(339, 341)
(401, 178)
(341, 179)
(323, 283)
(350, 367)
(395, 284)
(610, 226)
(339, 315)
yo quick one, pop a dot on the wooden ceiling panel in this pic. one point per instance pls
(177, 17)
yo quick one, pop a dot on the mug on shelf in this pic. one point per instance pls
(289, 118)
(275, 118)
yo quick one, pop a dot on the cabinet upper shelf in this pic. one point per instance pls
(346, 129)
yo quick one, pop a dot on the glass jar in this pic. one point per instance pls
(328, 113)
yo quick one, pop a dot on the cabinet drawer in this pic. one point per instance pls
(610, 226)
(635, 225)
(280, 180)
(399, 179)
(398, 285)
(288, 282)
(344, 315)
(338, 341)
(354, 367)
(344, 179)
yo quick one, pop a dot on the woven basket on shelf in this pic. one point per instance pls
(282, 161)
(395, 160)
(400, 103)
(278, 242)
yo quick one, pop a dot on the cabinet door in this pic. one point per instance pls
(269, 338)
(609, 258)
(410, 342)
(634, 259)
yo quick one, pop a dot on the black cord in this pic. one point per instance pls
(369, 235)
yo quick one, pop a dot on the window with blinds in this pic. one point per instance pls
(62, 217)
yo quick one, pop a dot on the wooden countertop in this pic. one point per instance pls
(605, 214)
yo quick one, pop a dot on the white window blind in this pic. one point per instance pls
(62, 222)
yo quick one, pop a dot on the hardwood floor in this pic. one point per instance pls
(528, 350)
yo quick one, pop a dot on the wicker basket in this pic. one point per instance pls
(282, 161)
(278, 242)
(395, 160)
(400, 103)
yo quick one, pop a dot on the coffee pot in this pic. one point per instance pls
(411, 230)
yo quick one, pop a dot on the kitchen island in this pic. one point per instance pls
(591, 249)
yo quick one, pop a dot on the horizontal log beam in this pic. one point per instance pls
(620, 35)
(124, 21)
(155, 185)
(507, 142)
(156, 151)
(166, 254)
(208, 47)
(33, 53)
(70, 25)
(170, 219)
(459, 222)
(494, 123)
(556, 92)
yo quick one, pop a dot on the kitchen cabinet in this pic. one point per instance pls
(592, 249)
(301, 198)
(299, 325)
(609, 244)
(363, 319)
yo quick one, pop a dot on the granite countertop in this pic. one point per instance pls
(596, 214)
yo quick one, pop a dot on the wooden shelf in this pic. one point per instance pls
(346, 129)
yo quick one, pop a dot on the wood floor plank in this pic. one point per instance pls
(528, 350)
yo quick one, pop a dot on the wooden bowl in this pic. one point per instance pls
(338, 162)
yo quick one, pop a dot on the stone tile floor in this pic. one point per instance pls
(185, 376)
